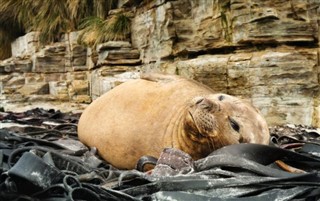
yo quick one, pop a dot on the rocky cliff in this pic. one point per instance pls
(264, 50)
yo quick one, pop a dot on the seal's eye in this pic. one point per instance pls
(234, 124)
(221, 98)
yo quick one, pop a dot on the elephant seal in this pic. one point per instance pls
(144, 116)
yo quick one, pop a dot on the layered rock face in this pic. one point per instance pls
(54, 72)
(263, 50)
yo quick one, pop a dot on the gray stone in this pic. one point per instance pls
(81, 99)
(123, 54)
(79, 61)
(15, 81)
(80, 87)
(48, 64)
(50, 59)
(56, 49)
(25, 45)
(58, 89)
(121, 62)
(79, 68)
(281, 81)
(34, 88)
(106, 78)
(113, 45)
(152, 32)
(79, 51)
(266, 51)
(16, 65)
(269, 22)
(1, 89)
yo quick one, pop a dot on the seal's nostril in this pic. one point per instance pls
(206, 104)
(199, 101)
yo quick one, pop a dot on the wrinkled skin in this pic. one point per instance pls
(211, 115)
(144, 116)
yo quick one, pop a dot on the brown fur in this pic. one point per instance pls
(144, 116)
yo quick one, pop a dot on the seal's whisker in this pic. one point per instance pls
(210, 145)
(220, 141)
(211, 141)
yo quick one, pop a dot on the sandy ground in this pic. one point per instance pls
(63, 107)
(24, 106)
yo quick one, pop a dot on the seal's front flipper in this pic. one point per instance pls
(158, 77)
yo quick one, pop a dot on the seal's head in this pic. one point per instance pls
(220, 119)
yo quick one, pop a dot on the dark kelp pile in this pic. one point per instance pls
(43, 160)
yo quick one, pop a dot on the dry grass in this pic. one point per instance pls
(51, 18)
(96, 30)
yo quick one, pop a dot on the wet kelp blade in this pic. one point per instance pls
(245, 186)
(244, 171)
(271, 194)
(263, 154)
(31, 173)
(236, 172)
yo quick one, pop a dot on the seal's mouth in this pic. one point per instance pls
(196, 127)
(194, 122)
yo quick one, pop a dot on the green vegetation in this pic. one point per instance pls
(225, 21)
(52, 18)
(96, 30)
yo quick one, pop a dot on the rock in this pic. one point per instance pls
(34, 78)
(46, 64)
(79, 61)
(113, 45)
(269, 22)
(263, 50)
(1, 90)
(80, 87)
(128, 3)
(280, 81)
(56, 49)
(16, 65)
(292, 126)
(173, 162)
(78, 51)
(203, 26)
(34, 98)
(92, 58)
(50, 59)
(34, 88)
(12, 82)
(6, 68)
(71, 38)
(78, 55)
(16, 81)
(24, 65)
(25, 45)
(81, 75)
(123, 56)
(106, 78)
(81, 99)
(75, 55)
(152, 31)
(121, 62)
(58, 89)
(181, 27)
(210, 70)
